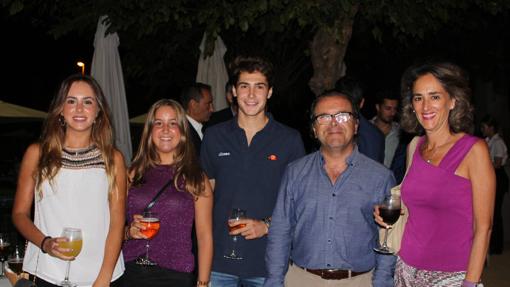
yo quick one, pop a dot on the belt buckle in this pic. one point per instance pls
(329, 274)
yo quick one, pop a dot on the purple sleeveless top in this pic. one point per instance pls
(439, 231)
(171, 247)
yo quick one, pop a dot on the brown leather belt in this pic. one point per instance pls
(333, 274)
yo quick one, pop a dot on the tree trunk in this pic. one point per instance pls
(328, 49)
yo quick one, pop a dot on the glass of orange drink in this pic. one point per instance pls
(74, 244)
(151, 223)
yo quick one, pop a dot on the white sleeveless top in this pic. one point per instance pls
(77, 197)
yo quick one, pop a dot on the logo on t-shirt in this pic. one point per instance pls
(223, 154)
(272, 157)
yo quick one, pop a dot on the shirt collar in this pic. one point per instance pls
(351, 160)
(196, 125)
(235, 125)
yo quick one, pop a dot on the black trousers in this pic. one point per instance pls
(155, 276)
(496, 243)
(41, 283)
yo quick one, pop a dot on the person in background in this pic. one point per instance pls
(499, 156)
(384, 120)
(370, 140)
(198, 102)
(226, 113)
(76, 178)
(450, 186)
(320, 218)
(245, 158)
(166, 154)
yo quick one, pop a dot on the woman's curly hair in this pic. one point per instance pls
(455, 82)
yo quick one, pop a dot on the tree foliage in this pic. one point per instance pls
(170, 29)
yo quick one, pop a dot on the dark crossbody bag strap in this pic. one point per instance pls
(155, 198)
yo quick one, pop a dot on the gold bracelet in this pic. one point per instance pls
(202, 283)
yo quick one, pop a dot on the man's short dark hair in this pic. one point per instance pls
(352, 88)
(333, 93)
(490, 121)
(386, 95)
(193, 92)
(251, 65)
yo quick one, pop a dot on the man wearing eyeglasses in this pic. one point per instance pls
(322, 231)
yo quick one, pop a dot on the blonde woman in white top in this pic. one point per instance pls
(76, 178)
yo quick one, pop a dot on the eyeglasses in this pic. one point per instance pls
(325, 119)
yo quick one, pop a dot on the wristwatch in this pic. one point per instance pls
(267, 221)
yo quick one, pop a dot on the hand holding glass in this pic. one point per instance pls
(235, 215)
(151, 222)
(73, 244)
(389, 210)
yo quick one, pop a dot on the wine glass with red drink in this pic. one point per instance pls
(389, 210)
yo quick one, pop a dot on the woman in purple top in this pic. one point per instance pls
(450, 186)
(166, 154)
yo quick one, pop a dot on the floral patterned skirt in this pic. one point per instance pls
(408, 276)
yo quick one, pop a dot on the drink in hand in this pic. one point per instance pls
(74, 242)
(235, 215)
(151, 227)
(389, 210)
(151, 222)
(235, 227)
(74, 245)
(389, 215)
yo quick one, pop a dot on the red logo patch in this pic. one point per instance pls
(272, 157)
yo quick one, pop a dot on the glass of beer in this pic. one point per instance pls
(151, 222)
(389, 210)
(15, 261)
(4, 251)
(236, 215)
(74, 243)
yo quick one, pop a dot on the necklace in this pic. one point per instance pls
(434, 150)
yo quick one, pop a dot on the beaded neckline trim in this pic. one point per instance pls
(89, 157)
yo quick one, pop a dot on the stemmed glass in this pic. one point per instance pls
(74, 244)
(15, 261)
(389, 210)
(4, 251)
(236, 215)
(151, 222)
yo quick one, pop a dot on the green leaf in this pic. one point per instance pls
(16, 7)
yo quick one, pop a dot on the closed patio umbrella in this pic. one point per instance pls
(107, 70)
(212, 71)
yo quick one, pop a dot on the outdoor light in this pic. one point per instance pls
(82, 65)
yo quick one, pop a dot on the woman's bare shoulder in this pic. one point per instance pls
(33, 151)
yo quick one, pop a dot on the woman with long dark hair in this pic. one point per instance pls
(76, 178)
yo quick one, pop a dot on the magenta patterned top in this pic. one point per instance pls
(171, 247)
(439, 232)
